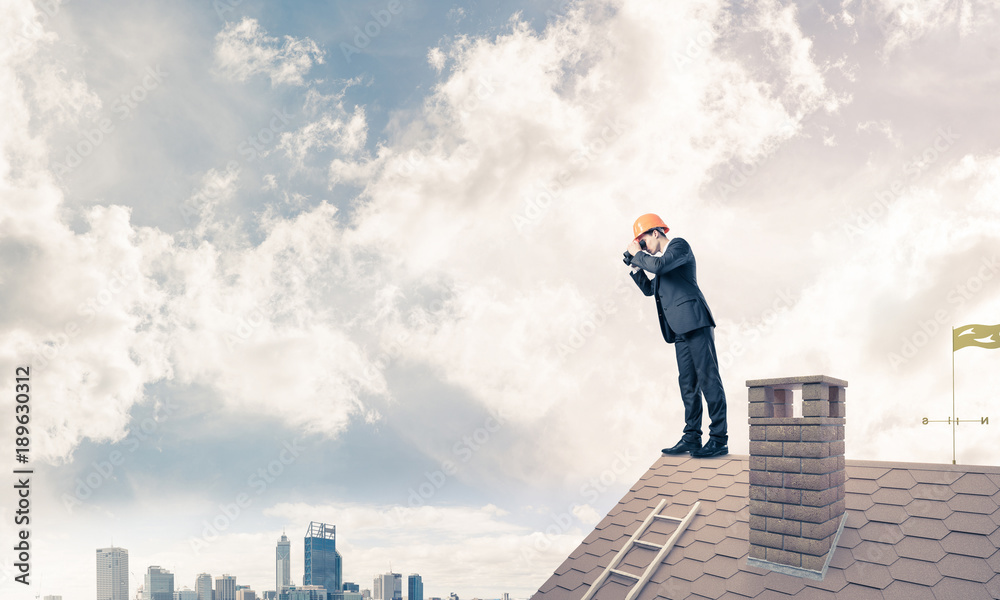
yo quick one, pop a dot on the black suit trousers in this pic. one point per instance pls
(698, 365)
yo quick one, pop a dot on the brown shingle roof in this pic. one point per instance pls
(913, 531)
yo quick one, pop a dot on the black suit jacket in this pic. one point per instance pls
(679, 302)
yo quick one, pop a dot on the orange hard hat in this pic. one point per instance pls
(647, 222)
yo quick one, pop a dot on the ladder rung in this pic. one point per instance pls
(625, 574)
(649, 545)
(667, 518)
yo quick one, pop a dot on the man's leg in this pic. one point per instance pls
(701, 346)
(688, 379)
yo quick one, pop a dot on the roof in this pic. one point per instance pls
(913, 531)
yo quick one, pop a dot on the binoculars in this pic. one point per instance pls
(627, 258)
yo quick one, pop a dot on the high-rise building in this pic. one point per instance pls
(414, 587)
(351, 587)
(185, 594)
(323, 565)
(246, 594)
(203, 586)
(304, 592)
(225, 587)
(112, 573)
(389, 586)
(159, 584)
(283, 564)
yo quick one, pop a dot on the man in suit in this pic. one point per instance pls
(687, 323)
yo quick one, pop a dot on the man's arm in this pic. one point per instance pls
(678, 252)
(645, 283)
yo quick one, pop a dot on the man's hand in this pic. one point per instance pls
(633, 248)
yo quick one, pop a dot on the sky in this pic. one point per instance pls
(360, 263)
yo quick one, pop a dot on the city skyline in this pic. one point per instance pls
(159, 581)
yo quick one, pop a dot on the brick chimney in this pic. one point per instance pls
(796, 474)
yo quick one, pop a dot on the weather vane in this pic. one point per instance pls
(982, 336)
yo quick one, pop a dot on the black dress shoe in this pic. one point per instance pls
(712, 448)
(682, 447)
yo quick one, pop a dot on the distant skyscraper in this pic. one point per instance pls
(414, 587)
(283, 564)
(112, 573)
(323, 565)
(351, 587)
(305, 592)
(185, 594)
(246, 594)
(203, 586)
(225, 587)
(389, 586)
(159, 584)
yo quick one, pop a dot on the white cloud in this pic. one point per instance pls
(436, 58)
(113, 307)
(345, 133)
(518, 186)
(905, 21)
(243, 50)
(884, 127)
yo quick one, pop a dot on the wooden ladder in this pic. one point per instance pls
(642, 580)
